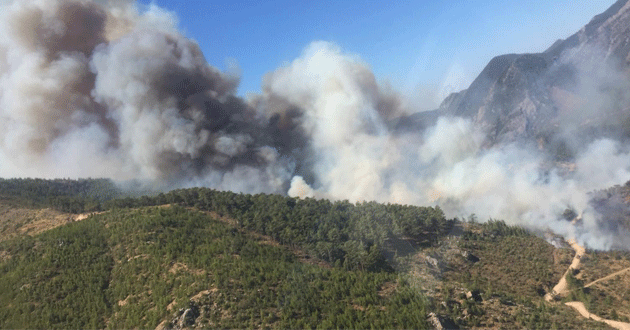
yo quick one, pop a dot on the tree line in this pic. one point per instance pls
(344, 234)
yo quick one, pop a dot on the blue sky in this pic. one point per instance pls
(423, 48)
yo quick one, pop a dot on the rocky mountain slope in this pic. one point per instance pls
(563, 91)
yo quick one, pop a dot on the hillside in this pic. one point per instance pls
(305, 226)
(139, 267)
(203, 258)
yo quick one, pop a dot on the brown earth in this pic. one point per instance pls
(579, 306)
(17, 220)
(562, 288)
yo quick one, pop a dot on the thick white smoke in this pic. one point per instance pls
(100, 89)
(359, 159)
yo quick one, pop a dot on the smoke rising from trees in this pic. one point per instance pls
(100, 89)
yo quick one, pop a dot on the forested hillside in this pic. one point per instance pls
(73, 196)
(128, 269)
(204, 258)
(341, 233)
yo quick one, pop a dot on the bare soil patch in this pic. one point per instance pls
(579, 306)
(16, 221)
(562, 287)
(181, 267)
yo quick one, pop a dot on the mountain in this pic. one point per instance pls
(86, 254)
(566, 87)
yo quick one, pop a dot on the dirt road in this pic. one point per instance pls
(607, 277)
(579, 306)
(562, 286)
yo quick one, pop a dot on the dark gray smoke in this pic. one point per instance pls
(100, 89)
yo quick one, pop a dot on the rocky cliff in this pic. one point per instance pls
(575, 85)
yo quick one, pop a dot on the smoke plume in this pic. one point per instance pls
(102, 89)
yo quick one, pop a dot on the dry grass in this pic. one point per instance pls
(613, 294)
(181, 267)
(4, 256)
(387, 289)
(520, 266)
(16, 221)
(601, 264)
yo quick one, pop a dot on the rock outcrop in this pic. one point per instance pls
(526, 95)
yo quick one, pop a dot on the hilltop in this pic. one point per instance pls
(204, 258)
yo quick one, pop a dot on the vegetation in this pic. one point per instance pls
(73, 196)
(123, 270)
(238, 260)
(610, 296)
(341, 233)
(512, 271)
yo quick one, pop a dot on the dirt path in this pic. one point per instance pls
(562, 286)
(607, 277)
(579, 306)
